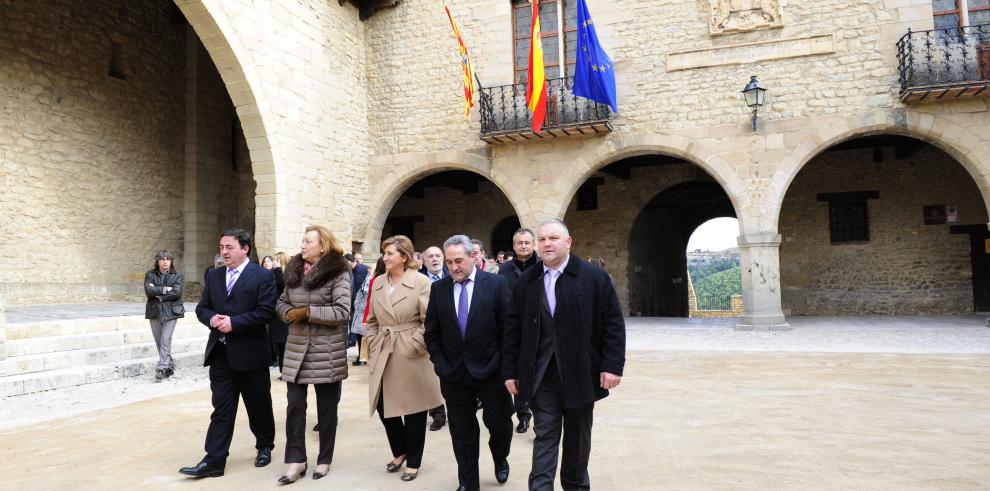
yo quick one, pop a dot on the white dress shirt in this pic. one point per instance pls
(470, 287)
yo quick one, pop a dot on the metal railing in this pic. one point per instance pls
(946, 56)
(503, 108)
(714, 302)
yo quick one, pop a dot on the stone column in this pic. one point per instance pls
(760, 257)
(3, 329)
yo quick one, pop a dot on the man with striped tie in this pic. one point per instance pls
(238, 302)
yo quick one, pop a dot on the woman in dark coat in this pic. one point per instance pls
(163, 286)
(278, 330)
(316, 304)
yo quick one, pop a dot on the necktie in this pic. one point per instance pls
(462, 307)
(231, 278)
(548, 284)
(433, 277)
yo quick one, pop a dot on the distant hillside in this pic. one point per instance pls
(716, 275)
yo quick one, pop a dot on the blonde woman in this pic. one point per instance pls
(402, 384)
(316, 304)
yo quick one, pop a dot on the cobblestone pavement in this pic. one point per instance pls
(836, 403)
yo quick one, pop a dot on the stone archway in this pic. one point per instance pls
(866, 231)
(620, 214)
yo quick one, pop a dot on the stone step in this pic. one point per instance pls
(68, 327)
(20, 365)
(97, 339)
(88, 374)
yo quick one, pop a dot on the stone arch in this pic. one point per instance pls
(243, 86)
(401, 172)
(674, 146)
(963, 145)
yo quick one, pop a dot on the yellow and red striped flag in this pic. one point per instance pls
(470, 89)
(536, 86)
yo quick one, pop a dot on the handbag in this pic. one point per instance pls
(178, 309)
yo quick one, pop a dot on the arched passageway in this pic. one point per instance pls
(883, 224)
(637, 214)
(120, 139)
(451, 202)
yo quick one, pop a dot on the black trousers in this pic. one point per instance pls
(255, 387)
(406, 434)
(461, 396)
(327, 397)
(550, 419)
(279, 354)
(522, 409)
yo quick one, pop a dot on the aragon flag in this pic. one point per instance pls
(470, 89)
(536, 86)
(594, 76)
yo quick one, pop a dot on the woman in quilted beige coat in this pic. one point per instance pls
(316, 305)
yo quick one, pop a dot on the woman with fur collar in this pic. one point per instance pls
(316, 305)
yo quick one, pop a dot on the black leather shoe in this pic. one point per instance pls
(202, 469)
(264, 457)
(437, 423)
(502, 472)
(523, 425)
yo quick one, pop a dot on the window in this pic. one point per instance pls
(959, 13)
(848, 216)
(553, 15)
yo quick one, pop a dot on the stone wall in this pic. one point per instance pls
(907, 267)
(92, 163)
(95, 164)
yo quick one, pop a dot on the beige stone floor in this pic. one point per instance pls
(680, 420)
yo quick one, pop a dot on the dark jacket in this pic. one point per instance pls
(479, 352)
(443, 273)
(251, 306)
(163, 306)
(591, 333)
(316, 349)
(359, 273)
(277, 328)
(513, 269)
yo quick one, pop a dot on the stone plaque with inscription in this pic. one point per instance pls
(751, 52)
(730, 16)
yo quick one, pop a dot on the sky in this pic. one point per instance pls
(715, 235)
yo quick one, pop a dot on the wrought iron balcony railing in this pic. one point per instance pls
(505, 116)
(944, 64)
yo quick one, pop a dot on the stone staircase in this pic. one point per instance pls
(52, 354)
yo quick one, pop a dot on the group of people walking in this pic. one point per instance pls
(549, 332)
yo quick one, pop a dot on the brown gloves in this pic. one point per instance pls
(297, 314)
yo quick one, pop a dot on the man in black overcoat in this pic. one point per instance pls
(465, 323)
(564, 348)
(522, 245)
(237, 304)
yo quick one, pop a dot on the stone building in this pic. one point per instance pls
(133, 126)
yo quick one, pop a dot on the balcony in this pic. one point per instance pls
(944, 64)
(505, 117)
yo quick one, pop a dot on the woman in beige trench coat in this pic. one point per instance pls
(402, 385)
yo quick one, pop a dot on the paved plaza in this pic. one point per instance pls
(836, 403)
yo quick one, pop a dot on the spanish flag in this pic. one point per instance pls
(536, 87)
(469, 87)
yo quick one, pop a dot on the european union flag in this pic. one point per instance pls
(594, 77)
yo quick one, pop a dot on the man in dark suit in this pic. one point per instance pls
(238, 302)
(564, 348)
(435, 269)
(464, 330)
(511, 270)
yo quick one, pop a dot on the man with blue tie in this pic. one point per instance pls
(237, 303)
(464, 328)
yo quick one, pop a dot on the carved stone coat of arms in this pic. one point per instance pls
(730, 16)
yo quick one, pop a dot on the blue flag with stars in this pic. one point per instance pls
(594, 77)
